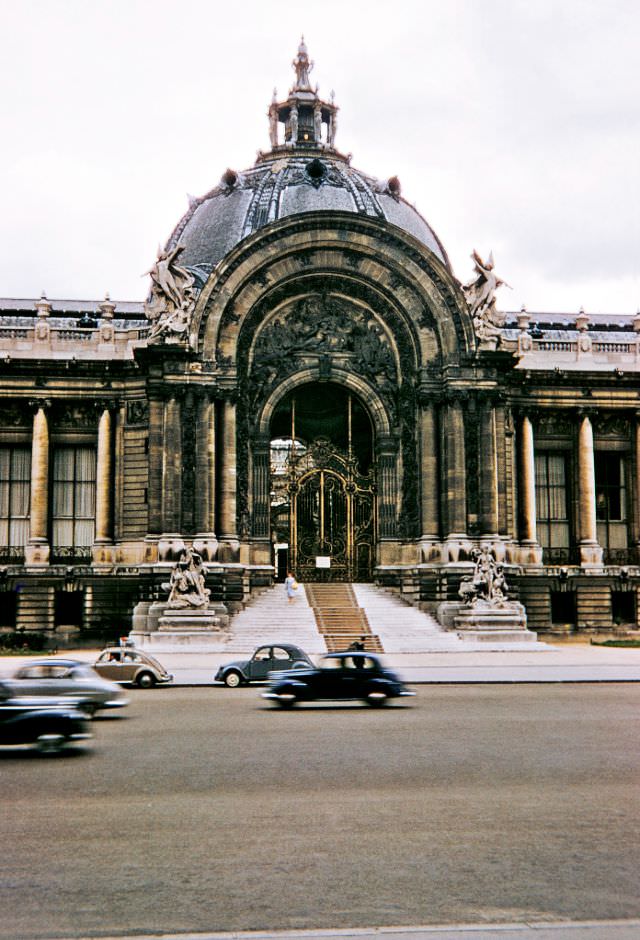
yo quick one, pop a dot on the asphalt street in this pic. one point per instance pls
(206, 809)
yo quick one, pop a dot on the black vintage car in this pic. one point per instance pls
(340, 676)
(48, 723)
(266, 659)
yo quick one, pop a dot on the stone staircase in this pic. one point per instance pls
(340, 618)
(269, 618)
(328, 617)
(403, 628)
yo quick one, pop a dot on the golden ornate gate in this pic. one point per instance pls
(332, 516)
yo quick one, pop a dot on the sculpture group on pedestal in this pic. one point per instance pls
(487, 585)
(186, 587)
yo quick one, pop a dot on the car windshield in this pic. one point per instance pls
(349, 662)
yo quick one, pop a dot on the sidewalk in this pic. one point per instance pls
(569, 662)
(566, 930)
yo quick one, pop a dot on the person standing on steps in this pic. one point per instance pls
(290, 586)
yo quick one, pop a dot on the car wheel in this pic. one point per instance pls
(51, 743)
(88, 708)
(376, 699)
(233, 679)
(145, 680)
(287, 699)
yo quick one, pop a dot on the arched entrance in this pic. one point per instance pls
(323, 495)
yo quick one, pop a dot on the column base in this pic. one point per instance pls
(430, 550)
(590, 555)
(528, 554)
(457, 547)
(36, 554)
(170, 546)
(103, 553)
(206, 544)
(229, 548)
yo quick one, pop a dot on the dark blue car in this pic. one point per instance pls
(48, 723)
(266, 659)
(340, 676)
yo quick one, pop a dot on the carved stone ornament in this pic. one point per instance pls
(480, 295)
(171, 302)
(137, 411)
(186, 587)
(487, 586)
(319, 326)
(14, 415)
(75, 415)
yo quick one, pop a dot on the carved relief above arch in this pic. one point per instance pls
(328, 333)
(367, 256)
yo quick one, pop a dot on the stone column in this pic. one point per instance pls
(455, 471)
(37, 549)
(637, 480)
(260, 489)
(429, 474)
(120, 420)
(590, 551)
(228, 481)
(156, 448)
(205, 541)
(488, 466)
(104, 479)
(103, 539)
(172, 467)
(387, 488)
(532, 552)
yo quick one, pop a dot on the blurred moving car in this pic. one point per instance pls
(340, 676)
(68, 678)
(48, 723)
(264, 660)
(124, 664)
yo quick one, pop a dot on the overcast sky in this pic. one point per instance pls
(513, 125)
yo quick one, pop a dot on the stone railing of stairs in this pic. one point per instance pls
(339, 618)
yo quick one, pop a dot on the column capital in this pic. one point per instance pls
(35, 404)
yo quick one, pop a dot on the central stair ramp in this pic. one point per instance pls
(270, 617)
(340, 618)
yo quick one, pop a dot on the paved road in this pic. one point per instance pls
(207, 810)
(561, 662)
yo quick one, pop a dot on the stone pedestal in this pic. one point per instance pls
(160, 628)
(487, 622)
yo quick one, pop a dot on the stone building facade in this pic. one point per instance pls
(309, 386)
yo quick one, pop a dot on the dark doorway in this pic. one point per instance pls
(69, 606)
(322, 483)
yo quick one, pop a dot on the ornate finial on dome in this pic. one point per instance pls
(302, 66)
(309, 122)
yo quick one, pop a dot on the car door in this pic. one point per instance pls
(109, 665)
(130, 666)
(261, 664)
(281, 658)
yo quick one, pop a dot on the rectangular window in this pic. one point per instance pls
(552, 504)
(623, 607)
(68, 608)
(15, 486)
(8, 609)
(611, 504)
(563, 607)
(73, 501)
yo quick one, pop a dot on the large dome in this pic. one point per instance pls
(282, 185)
(303, 172)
